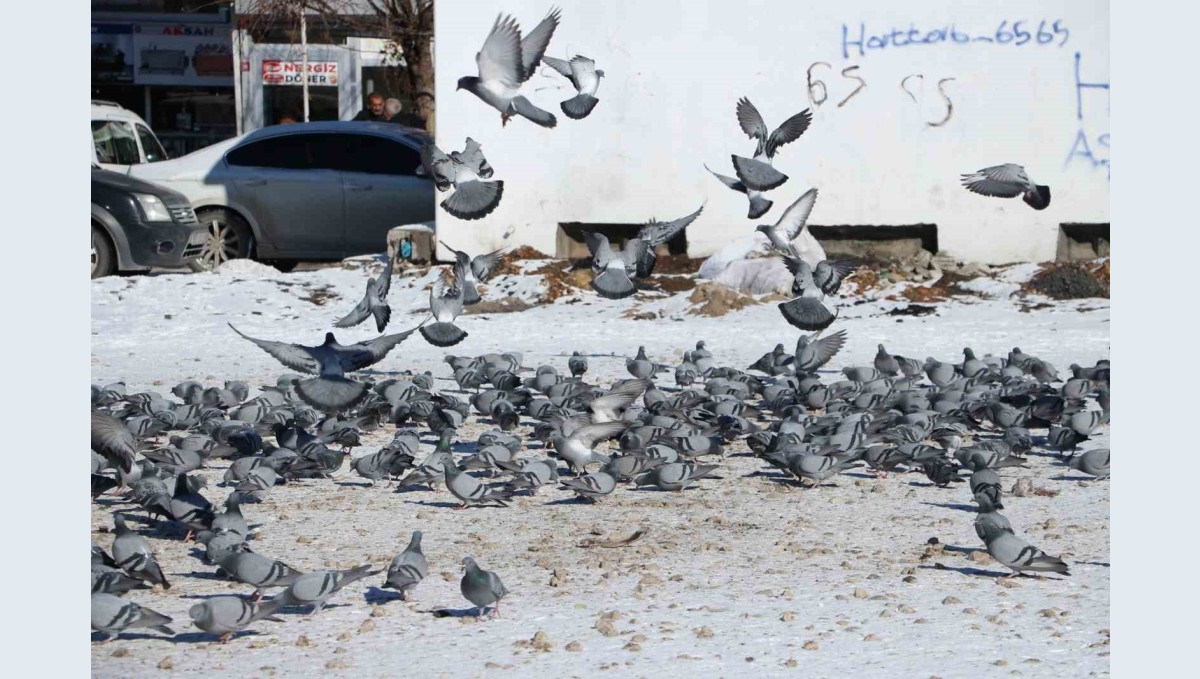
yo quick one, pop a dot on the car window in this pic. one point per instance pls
(289, 151)
(379, 155)
(114, 142)
(150, 146)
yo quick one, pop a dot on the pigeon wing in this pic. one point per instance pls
(796, 216)
(621, 396)
(358, 315)
(598, 245)
(483, 265)
(500, 58)
(1003, 181)
(561, 65)
(384, 282)
(827, 347)
(472, 157)
(789, 131)
(293, 356)
(363, 354)
(534, 44)
(728, 181)
(657, 233)
(584, 71)
(438, 166)
(634, 251)
(590, 434)
(751, 120)
(829, 274)
(113, 439)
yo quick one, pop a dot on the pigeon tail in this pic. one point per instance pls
(613, 285)
(331, 394)
(1039, 199)
(759, 206)
(474, 199)
(757, 175)
(579, 106)
(524, 108)
(807, 313)
(443, 334)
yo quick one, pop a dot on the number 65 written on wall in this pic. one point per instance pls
(849, 72)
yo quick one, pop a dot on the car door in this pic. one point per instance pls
(382, 191)
(295, 199)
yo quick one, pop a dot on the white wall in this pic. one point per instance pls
(675, 70)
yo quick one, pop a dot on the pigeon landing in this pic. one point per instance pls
(656, 233)
(506, 61)
(445, 304)
(1008, 181)
(757, 173)
(471, 272)
(473, 198)
(614, 271)
(759, 205)
(374, 302)
(790, 224)
(584, 75)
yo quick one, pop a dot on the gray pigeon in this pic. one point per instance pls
(112, 439)
(470, 490)
(593, 486)
(759, 205)
(471, 272)
(886, 363)
(408, 569)
(817, 468)
(757, 173)
(1093, 463)
(506, 61)
(107, 576)
(445, 304)
(132, 553)
(812, 353)
(1008, 181)
(228, 615)
(809, 310)
(112, 615)
(1018, 554)
(374, 302)
(656, 233)
(613, 271)
(577, 364)
(676, 475)
(584, 75)
(790, 224)
(642, 367)
(330, 361)
(254, 569)
(314, 589)
(482, 588)
(577, 448)
(231, 519)
(993, 521)
(473, 198)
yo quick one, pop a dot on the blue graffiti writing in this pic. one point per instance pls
(1091, 153)
(1048, 32)
(1080, 86)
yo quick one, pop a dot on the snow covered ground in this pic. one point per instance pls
(742, 575)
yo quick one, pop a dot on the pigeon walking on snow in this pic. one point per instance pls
(584, 75)
(482, 588)
(228, 615)
(473, 198)
(1017, 553)
(112, 615)
(506, 61)
(1008, 181)
(408, 569)
(314, 589)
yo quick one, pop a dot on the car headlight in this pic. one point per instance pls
(153, 207)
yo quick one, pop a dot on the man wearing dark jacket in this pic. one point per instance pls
(374, 111)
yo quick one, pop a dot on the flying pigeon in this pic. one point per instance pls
(808, 310)
(1008, 181)
(759, 205)
(584, 75)
(577, 448)
(408, 569)
(112, 615)
(790, 224)
(506, 61)
(812, 353)
(228, 615)
(758, 174)
(473, 198)
(614, 270)
(445, 304)
(656, 233)
(471, 272)
(374, 302)
(482, 588)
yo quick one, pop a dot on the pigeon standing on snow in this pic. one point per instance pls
(445, 304)
(506, 61)
(593, 486)
(758, 174)
(1008, 181)
(577, 364)
(374, 302)
(112, 615)
(1093, 463)
(473, 198)
(408, 569)
(584, 75)
(132, 553)
(1017, 553)
(314, 589)
(482, 588)
(471, 272)
(228, 615)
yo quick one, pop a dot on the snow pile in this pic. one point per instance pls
(1007, 283)
(246, 268)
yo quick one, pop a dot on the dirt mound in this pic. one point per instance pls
(502, 306)
(712, 299)
(676, 264)
(1071, 280)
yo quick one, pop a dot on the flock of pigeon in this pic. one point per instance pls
(952, 422)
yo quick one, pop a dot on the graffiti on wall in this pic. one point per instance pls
(1049, 32)
(819, 90)
(1089, 150)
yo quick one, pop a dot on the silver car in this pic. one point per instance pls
(305, 191)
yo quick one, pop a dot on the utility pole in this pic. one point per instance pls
(304, 59)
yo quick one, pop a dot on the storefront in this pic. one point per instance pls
(178, 75)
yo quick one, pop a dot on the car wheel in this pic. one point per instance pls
(229, 238)
(104, 260)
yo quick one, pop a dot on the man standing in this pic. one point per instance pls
(374, 111)
(396, 114)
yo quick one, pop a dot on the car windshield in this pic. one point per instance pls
(154, 150)
(114, 142)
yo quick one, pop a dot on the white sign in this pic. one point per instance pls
(182, 54)
(320, 73)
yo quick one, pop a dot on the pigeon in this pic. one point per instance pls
(445, 304)
(613, 271)
(374, 302)
(577, 448)
(107, 576)
(469, 490)
(228, 615)
(757, 173)
(471, 272)
(1008, 181)
(132, 553)
(408, 569)
(577, 364)
(584, 75)
(254, 569)
(331, 391)
(676, 475)
(593, 486)
(1093, 463)
(642, 367)
(473, 198)
(506, 61)
(759, 205)
(316, 587)
(817, 468)
(1017, 553)
(985, 487)
(113, 440)
(112, 615)
(812, 353)
(656, 233)
(790, 224)
(992, 521)
(886, 363)
(482, 588)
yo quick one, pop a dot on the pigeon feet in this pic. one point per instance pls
(504, 118)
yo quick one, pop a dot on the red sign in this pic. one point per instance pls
(320, 73)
